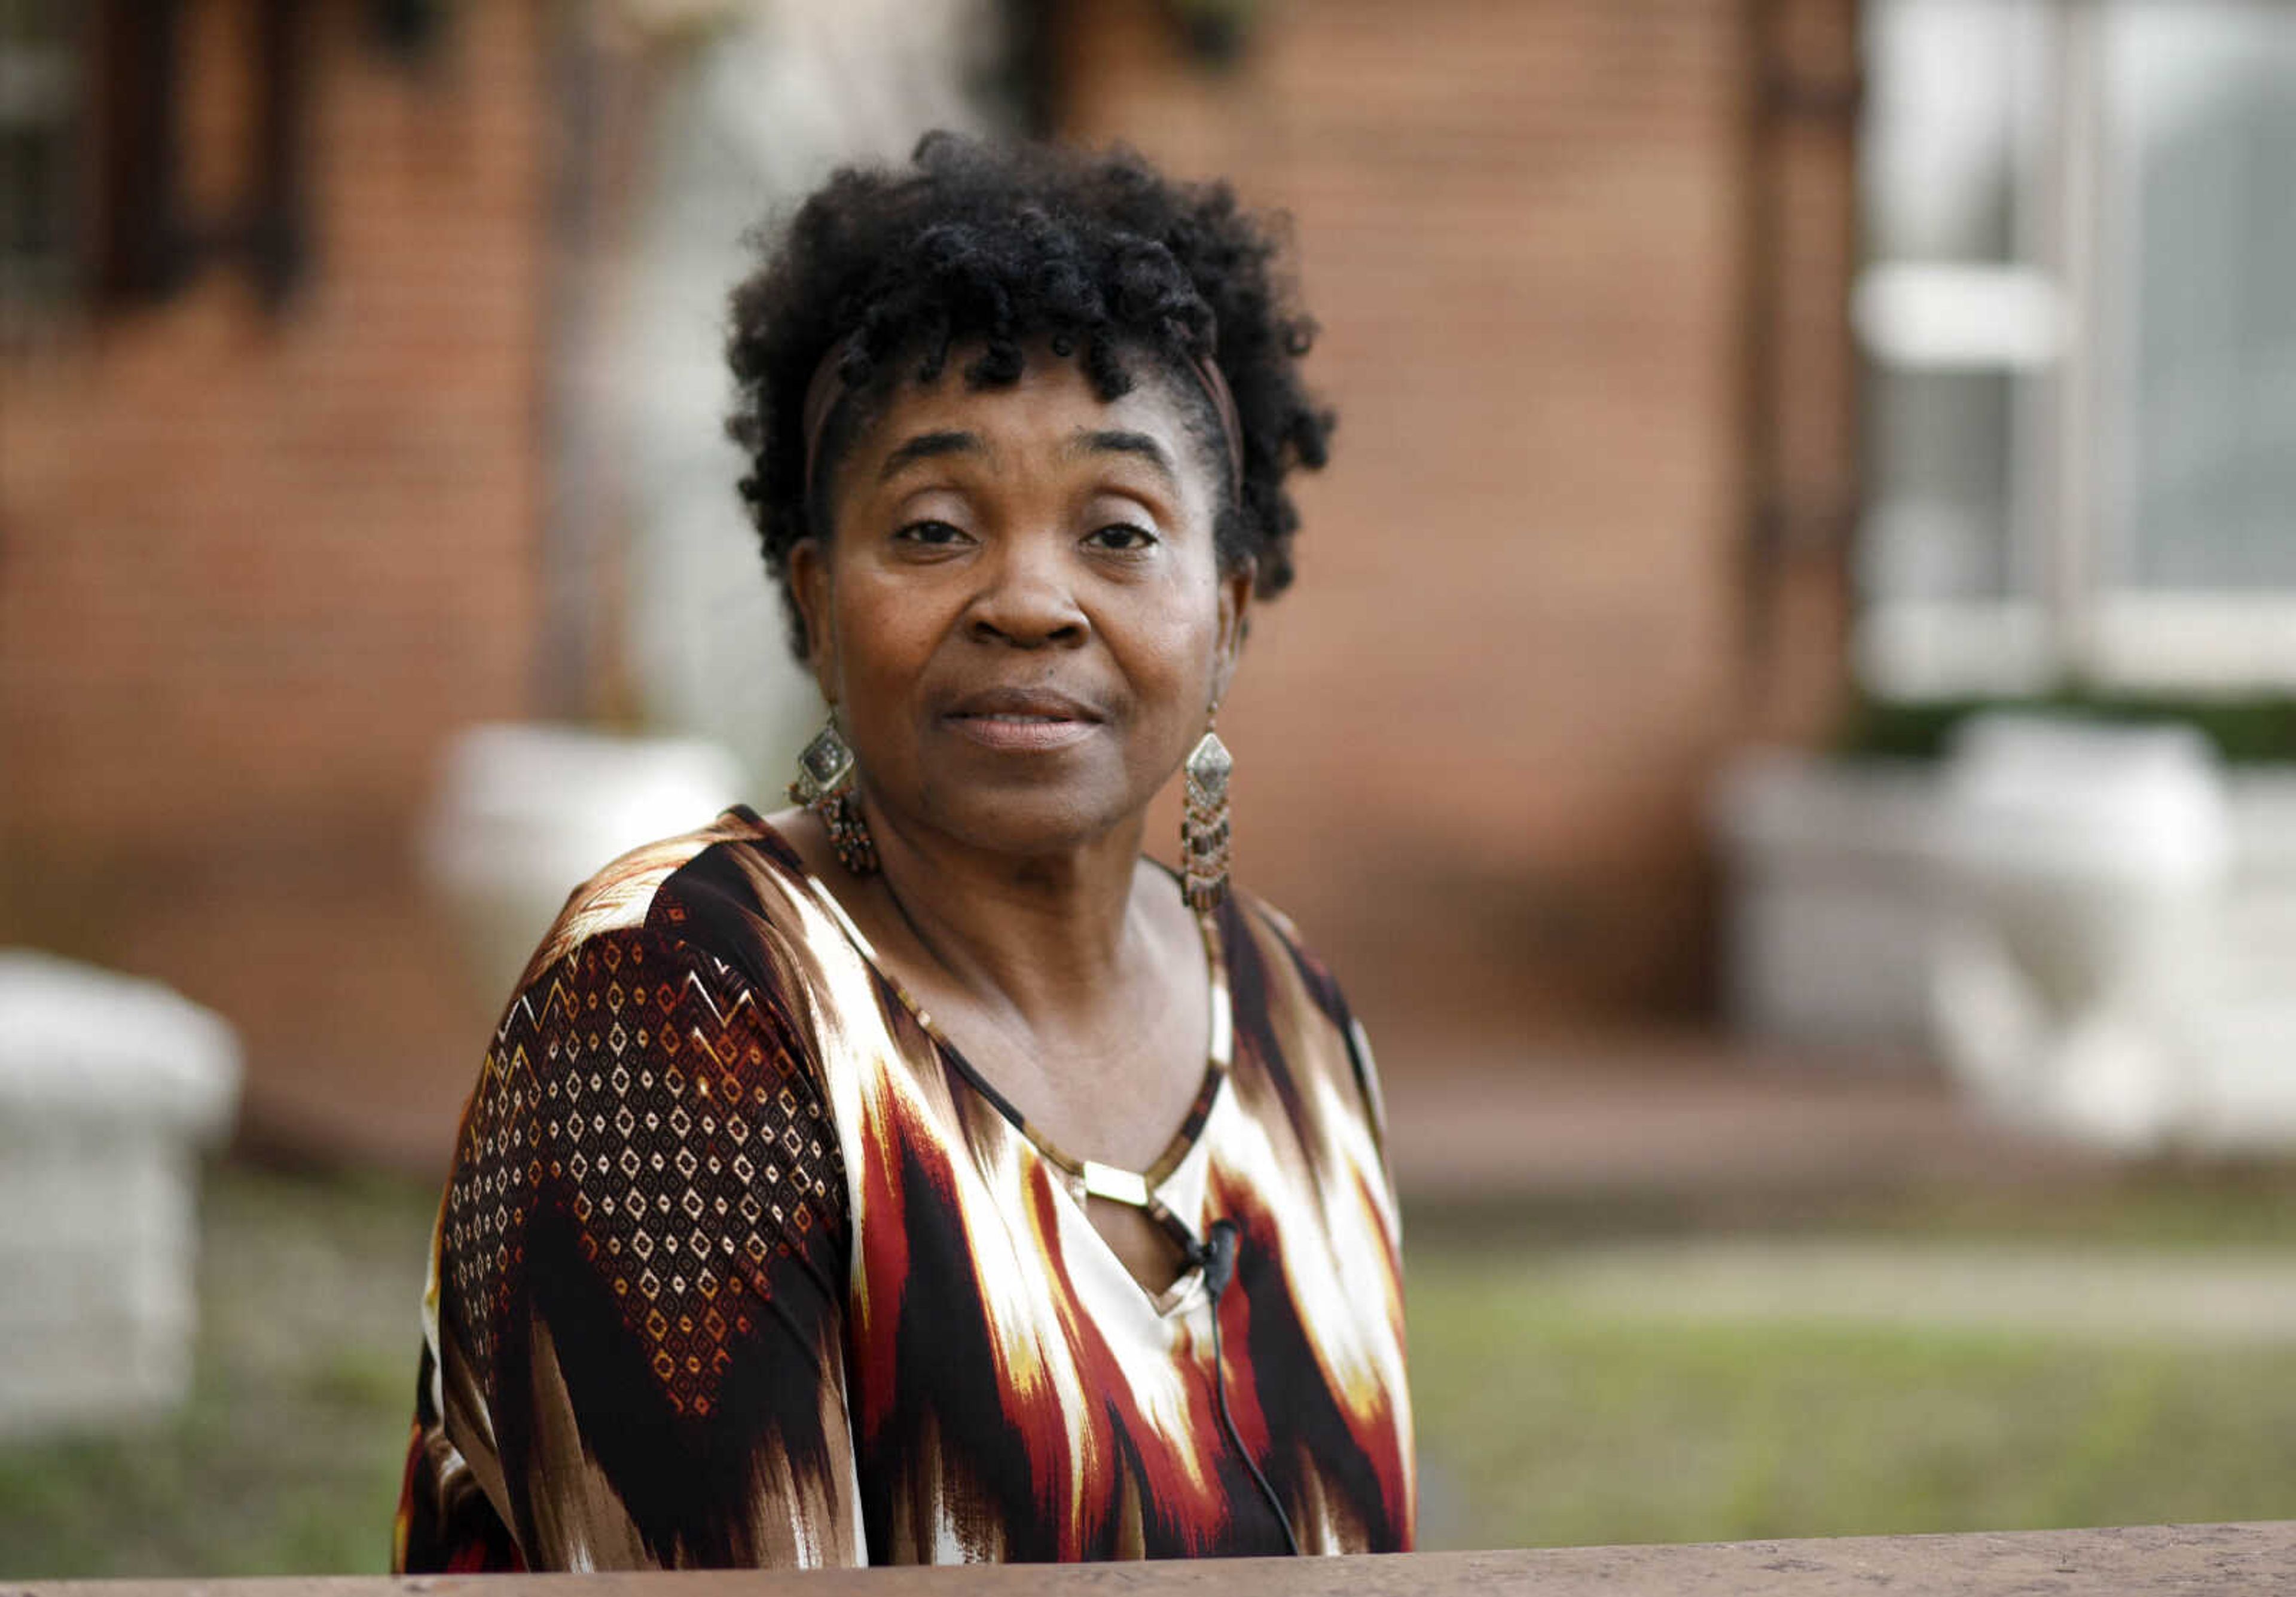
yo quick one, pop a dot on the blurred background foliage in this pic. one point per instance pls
(2255, 729)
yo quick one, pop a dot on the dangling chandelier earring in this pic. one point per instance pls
(825, 785)
(1203, 823)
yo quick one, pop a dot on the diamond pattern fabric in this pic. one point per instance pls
(634, 1087)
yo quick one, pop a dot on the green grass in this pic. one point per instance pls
(1541, 1423)
(2165, 1203)
(1542, 1420)
(286, 1459)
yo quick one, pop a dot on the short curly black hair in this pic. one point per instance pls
(998, 244)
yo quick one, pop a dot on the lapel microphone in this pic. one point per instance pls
(1216, 1257)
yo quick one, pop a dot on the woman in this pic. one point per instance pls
(921, 1174)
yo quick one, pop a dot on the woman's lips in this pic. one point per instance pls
(1011, 732)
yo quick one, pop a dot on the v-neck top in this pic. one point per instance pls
(742, 1263)
(1144, 1188)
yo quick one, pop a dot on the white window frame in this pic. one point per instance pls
(2060, 322)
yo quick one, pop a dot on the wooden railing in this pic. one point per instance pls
(2186, 1560)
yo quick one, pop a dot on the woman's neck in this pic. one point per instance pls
(1047, 937)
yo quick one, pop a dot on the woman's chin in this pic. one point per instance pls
(1034, 823)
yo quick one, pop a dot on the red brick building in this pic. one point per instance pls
(269, 527)
(1582, 269)
(276, 512)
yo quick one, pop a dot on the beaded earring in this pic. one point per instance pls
(825, 785)
(1203, 822)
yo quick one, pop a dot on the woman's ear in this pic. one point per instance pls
(808, 580)
(1235, 589)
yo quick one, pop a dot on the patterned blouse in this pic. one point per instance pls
(743, 1264)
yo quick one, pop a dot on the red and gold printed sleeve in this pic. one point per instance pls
(634, 1351)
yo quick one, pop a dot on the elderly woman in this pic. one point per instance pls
(921, 1174)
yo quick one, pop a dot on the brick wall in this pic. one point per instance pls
(1473, 745)
(254, 568)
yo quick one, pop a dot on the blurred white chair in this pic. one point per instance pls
(109, 1085)
(524, 813)
(2080, 871)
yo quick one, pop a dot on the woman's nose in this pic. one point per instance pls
(1027, 600)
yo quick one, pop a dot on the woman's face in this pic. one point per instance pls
(1019, 611)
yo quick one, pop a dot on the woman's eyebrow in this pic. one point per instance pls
(925, 445)
(1109, 441)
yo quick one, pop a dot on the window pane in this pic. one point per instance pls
(1954, 130)
(2202, 100)
(1939, 522)
(1950, 125)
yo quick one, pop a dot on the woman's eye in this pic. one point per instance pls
(931, 535)
(1122, 536)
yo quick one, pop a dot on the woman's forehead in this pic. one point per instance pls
(1050, 416)
(1052, 399)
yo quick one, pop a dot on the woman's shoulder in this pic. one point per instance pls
(1262, 939)
(705, 938)
(648, 1120)
(647, 1046)
(701, 894)
(1279, 985)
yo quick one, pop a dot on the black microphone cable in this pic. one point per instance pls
(1217, 1256)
